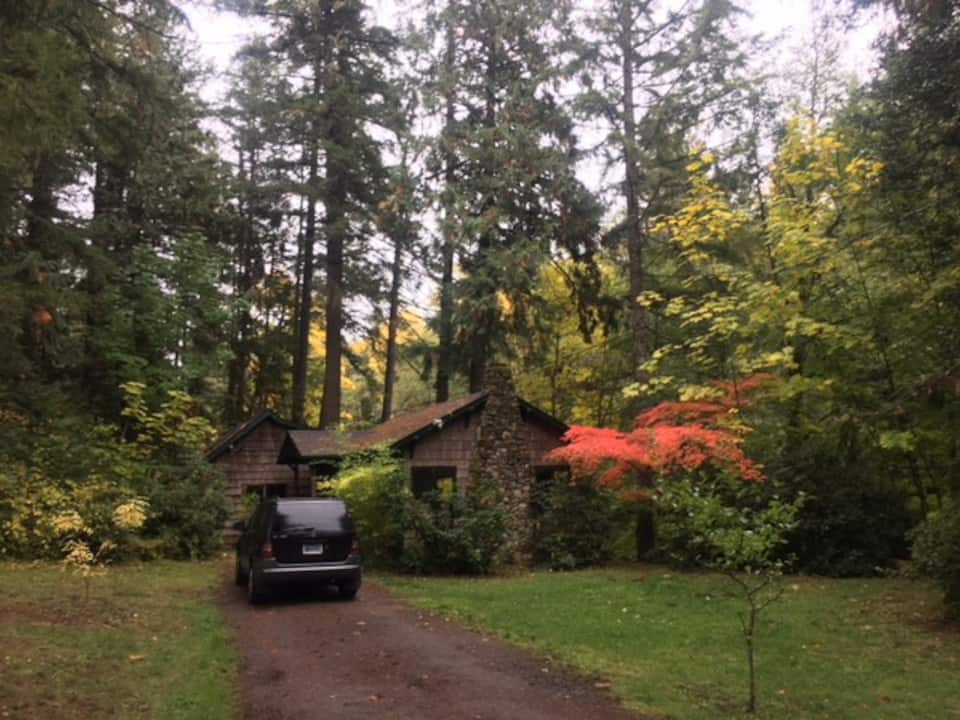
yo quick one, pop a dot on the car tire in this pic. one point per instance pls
(255, 593)
(349, 593)
(239, 577)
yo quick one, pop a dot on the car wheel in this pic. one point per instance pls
(348, 593)
(255, 593)
(239, 576)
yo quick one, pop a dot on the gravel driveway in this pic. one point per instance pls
(312, 657)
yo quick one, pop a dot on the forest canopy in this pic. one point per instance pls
(371, 214)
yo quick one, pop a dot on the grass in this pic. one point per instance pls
(146, 643)
(670, 644)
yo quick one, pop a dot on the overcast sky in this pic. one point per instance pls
(220, 35)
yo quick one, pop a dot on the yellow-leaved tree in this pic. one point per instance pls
(806, 281)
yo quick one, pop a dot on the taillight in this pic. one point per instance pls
(355, 548)
(267, 551)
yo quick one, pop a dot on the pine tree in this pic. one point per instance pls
(397, 220)
(111, 121)
(655, 75)
(341, 94)
(506, 157)
(259, 235)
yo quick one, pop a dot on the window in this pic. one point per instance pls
(327, 516)
(425, 480)
(268, 490)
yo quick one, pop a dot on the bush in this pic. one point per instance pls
(739, 529)
(682, 505)
(578, 525)
(186, 493)
(188, 509)
(936, 551)
(451, 534)
(374, 487)
(63, 481)
(38, 517)
(442, 533)
(846, 531)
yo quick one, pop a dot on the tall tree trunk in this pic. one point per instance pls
(646, 528)
(114, 234)
(237, 388)
(240, 343)
(335, 225)
(41, 210)
(42, 206)
(480, 339)
(634, 228)
(301, 360)
(484, 325)
(393, 322)
(330, 406)
(445, 349)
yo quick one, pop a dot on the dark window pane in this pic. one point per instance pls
(321, 515)
(425, 480)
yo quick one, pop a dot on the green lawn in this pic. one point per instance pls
(148, 643)
(670, 643)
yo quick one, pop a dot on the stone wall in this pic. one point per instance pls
(500, 471)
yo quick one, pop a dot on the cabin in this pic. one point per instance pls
(438, 442)
(247, 457)
(492, 435)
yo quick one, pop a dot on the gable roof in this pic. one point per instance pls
(230, 439)
(305, 445)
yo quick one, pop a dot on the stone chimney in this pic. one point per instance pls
(500, 471)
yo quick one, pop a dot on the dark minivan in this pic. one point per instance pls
(299, 540)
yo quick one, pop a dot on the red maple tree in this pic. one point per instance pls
(670, 438)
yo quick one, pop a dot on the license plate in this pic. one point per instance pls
(313, 549)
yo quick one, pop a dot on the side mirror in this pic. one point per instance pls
(240, 525)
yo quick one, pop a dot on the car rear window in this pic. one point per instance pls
(328, 517)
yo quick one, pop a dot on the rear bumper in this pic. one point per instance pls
(275, 574)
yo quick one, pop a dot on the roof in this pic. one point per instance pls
(230, 439)
(301, 445)
(304, 445)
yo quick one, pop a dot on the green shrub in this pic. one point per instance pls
(374, 488)
(188, 510)
(680, 537)
(442, 533)
(936, 551)
(846, 531)
(38, 517)
(739, 529)
(578, 525)
(451, 534)
(62, 481)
